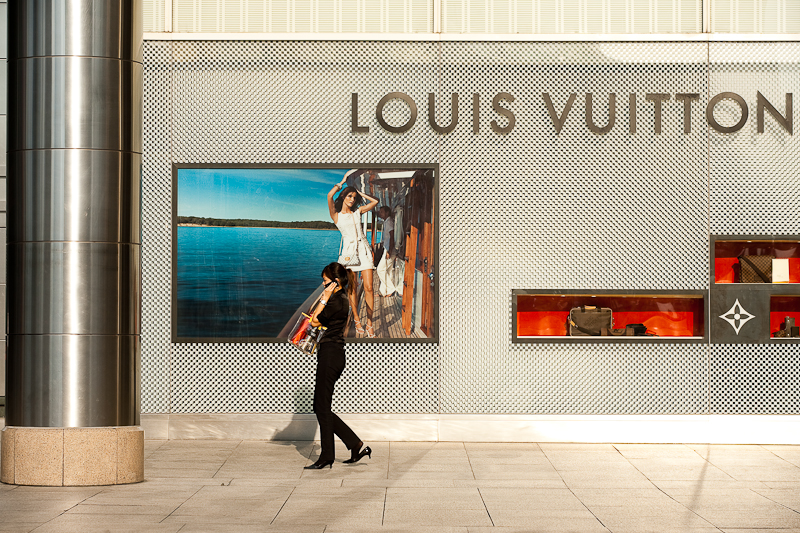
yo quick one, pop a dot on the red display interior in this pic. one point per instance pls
(726, 264)
(779, 308)
(666, 316)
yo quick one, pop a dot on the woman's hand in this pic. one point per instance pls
(370, 206)
(330, 289)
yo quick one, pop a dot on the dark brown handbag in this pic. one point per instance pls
(755, 268)
(587, 320)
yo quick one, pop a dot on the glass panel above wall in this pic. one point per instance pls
(755, 16)
(153, 12)
(571, 16)
(302, 16)
(3, 29)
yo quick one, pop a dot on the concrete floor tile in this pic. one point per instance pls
(587, 480)
(693, 486)
(76, 493)
(429, 487)
(25, 516)
(353, 482)
(400, 529)
(728, 518)
(764, 474)
(730, 498)
(655, 524)
(599, 468)
(643, 509)
(36, 505)
(106, 527)
(249, 528)
(430, 474)
(511, 483)
(663, 528)
(501, 446)
(436, 517)
(426, 445)
(686, 473)
(653, 450)
(68, 523)
(536, 528)
(537, 522)
(18, 527)
(233, 492)
(240, 509)
(416, 498)
(510, 459)
(133, 508)
(361, 516)
(181, 473)
(357, 492)
(530, 499)
(218, 520)
(542, 470)
(283, 482)
(576, 447)
(782, 530)
(787, 498)
(597, 496)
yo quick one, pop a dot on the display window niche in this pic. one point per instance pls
(784, 317)
(635, 316)
(755, 260)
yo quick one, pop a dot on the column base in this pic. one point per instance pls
(71, 457)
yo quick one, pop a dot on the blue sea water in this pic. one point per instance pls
(247, 282)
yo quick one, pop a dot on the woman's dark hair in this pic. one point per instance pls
(335, 271)
(342, 195)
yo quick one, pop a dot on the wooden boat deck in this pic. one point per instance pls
(387, 316)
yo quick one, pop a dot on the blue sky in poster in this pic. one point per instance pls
(283, 194)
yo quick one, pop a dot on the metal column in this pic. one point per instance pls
(74, 153)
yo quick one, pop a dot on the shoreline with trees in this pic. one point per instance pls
(252, 223)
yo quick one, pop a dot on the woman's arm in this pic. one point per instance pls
(331, 207)
(370, 206)
(323, 301)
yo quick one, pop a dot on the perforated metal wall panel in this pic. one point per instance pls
(273, 103)
(754, 379)
(536, 209)
(755, 190)
(754, 177)
(526, 209)
(156, 233)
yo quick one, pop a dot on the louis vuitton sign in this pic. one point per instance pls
(504, 120)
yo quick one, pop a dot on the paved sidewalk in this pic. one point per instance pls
(445, 487)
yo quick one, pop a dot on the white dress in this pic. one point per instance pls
(349, 225)
(387, 286)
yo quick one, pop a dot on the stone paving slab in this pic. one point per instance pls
(427, 487)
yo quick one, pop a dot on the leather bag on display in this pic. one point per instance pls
(755, 268)
(588, 321)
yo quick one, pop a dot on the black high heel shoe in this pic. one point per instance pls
(319, 464)
(356, 455)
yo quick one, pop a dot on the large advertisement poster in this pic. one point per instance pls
(250, 244)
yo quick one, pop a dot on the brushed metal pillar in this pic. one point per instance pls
(74, 156)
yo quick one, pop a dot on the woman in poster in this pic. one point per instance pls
(346, 213)
(332, 312)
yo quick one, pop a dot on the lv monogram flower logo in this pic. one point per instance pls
(737, 316)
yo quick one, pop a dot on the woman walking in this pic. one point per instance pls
(346, 213)
(332, 312)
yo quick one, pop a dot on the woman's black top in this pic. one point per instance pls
(334, 317)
